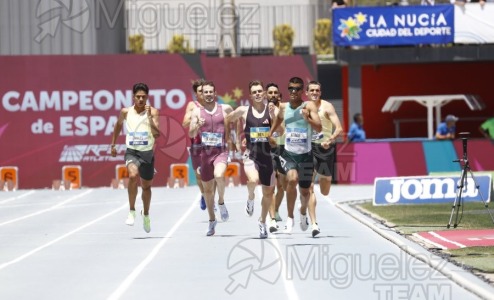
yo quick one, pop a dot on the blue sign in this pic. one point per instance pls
(430, 189)
(393, 25)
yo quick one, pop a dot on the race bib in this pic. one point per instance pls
(296, 135)
(138, 138)
(317, 136)
(259, 134)
(212, 139)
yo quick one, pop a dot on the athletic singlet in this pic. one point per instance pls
(212, 133)
(298, 132)
(139, 135)
(327, 128)
(257, 131)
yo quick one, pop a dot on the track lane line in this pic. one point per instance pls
(26, 255)
(46, 209)
(17, 197)
(122, 288)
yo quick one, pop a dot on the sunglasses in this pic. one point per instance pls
(292, 89)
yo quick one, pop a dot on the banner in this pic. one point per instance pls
(61, 110)
(474, 23)
(429, 189)
(393, 25)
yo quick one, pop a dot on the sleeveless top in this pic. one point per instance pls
(212, 133)
(327, 128)
(257, 131)
(298, 132)
(139, 135)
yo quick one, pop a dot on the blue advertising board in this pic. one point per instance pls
(430, 189)
(393, 25)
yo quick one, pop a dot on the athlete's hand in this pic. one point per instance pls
(113, 150)
(147, 108)
(305, 113)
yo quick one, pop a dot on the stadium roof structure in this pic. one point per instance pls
(433, 101)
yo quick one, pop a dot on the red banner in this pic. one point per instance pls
(61, 110)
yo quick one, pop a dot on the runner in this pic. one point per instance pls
(277, 148)
(195, 143)
(258, 165)
(142, 123)
(300, 118)
(210, 122)
(323, 148)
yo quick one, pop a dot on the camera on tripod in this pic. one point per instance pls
(465, 170)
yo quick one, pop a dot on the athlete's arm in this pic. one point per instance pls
(188, 113)
(117, 129)
(195, 122)
(154, 122)
(278, 120)
(333, 117)
(312, 117)
(227, 110)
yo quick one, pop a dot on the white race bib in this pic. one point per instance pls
(212, 139)
(296, 136)
(138, 138)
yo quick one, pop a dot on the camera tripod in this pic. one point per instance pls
(465, 170)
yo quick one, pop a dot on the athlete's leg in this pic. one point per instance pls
(219, 176)
(132, 186)
(146, 195)
(291, 191)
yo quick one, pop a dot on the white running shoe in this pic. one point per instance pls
(304, 222)
(131, 217)
(289, 225)
(211, 226)
(224, 212)
(146, 222)
(249, 209)
(273, 227)
(315, 230)
(263, 232)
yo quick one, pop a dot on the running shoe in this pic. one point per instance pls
(224, 212)
(315, 230)
(289, 225)
(203, 203)
(131, 217)
(249, 209)
(211, 226)
(273, 227)
(304, 222)
(146, 222)
(263, 232)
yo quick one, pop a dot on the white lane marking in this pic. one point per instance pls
(446, 240)
(290, 290)
(137, 271)
(429, 241)
(26, 255)
(46, 209)
(17, 197)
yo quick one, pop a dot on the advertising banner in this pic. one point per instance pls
(61, 110)
(474, 23)
(430, 189)
(393, 25)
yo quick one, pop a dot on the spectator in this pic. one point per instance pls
(446, 130)
(487, 128)
(357, 132)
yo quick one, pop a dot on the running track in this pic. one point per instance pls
(75, 245)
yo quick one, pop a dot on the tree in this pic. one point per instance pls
(283, 39)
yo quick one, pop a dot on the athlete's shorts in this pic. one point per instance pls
(144, 160)
(264, 166)
(303, 163)
(195, 156)
(275, 154)
(323, 159)
(210, 157)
